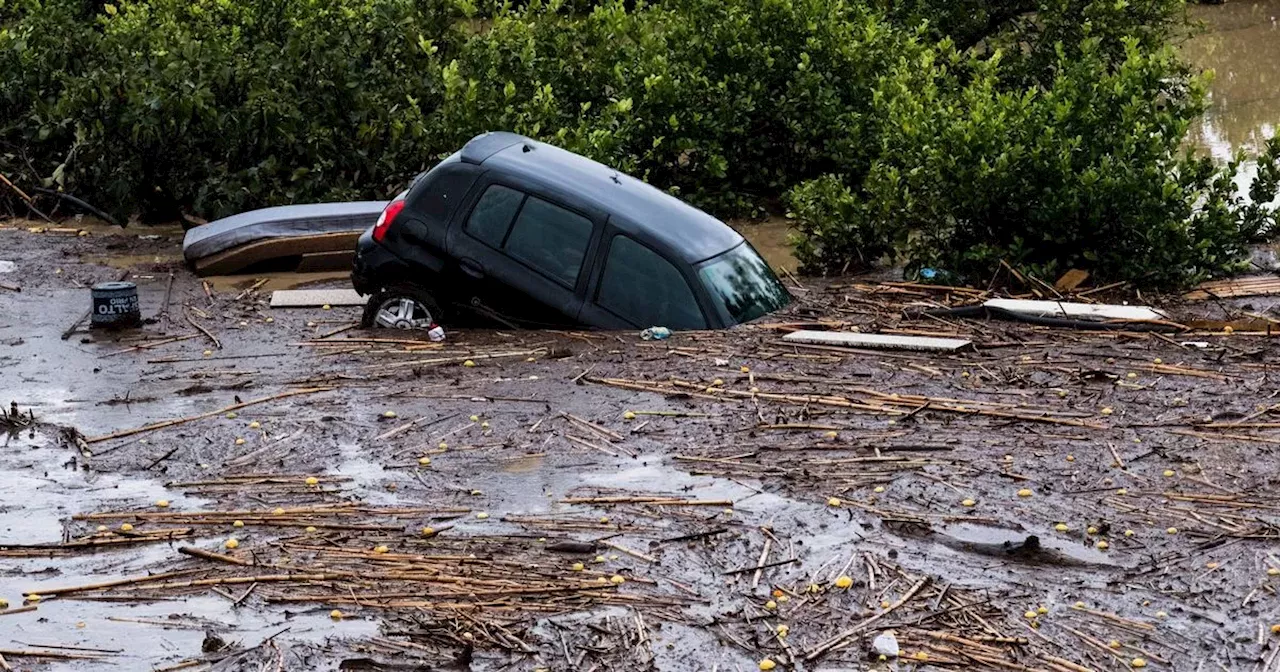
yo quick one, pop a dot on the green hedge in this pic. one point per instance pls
(950, 134)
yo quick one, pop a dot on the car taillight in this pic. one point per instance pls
(386, 218)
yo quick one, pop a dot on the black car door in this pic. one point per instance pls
(638, 288)
(522, 256)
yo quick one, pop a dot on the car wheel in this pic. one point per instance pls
(401, 308)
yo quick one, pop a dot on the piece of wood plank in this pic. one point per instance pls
(850, 339)
(1070, 280)
(241, 257)
(1076, 310)
(314, 298)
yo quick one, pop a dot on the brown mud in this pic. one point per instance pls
(732, 484)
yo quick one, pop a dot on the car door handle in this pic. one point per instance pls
(472, 268)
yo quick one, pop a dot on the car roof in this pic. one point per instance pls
(634, 206)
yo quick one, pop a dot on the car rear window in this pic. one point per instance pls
(550, 239)
(492, 215)
(641, 287)
(743, 284)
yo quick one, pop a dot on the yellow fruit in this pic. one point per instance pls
(1107, 411)
(482, 515)
(269, 320)
(1079, 605)
(1025, 492)
(163, 503)
(885, 604)
(33, 597)
(231, 415)
(878, 488)
(783, 630)
(1128, 533)
(381, 549)
(428, 531)
(208, 353)
(1122, 491)
(1042, 609)
(833, 501)
(921, 656)
(1275, 629)
(968, 502)
(102, 528)
(604, 520)
(1272, 571)
(1061, 527)
(442, 446)
(1168, 473)
(1172, 530)
(255, 425)
(578, 567)
(629, 415)
(1071, 458)
(468, 363)
(424, 460)
(767, 664)
(1161, 614)
(745, 369)
(1113, 644)
(844, 582)
(484, 425)
(1132, 375)
(475, 418)
(770, 605)
(231, 544)
(530, 359)
(1211, 565)
(389, 414)
(4, 604)
(1092, 530)
(1030, 614)
(326, 307)
(309, 529)
(1228, 329)
(717, 382)
(126, 527)
(1103, 545)
(1157, 360)
(312, 480)
(335, 615)
(617, 580)
(278, 511)
(239, 442)
(1139, 662)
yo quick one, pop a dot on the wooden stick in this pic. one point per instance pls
(216, 557)
(839, 639)
(178, 421)
(208, 334)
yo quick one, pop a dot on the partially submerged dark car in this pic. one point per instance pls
(530, 235)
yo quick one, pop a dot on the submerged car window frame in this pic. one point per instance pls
(607, 250)
(718, 300)
(585, 267)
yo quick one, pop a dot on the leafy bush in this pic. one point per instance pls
(1085, 172)
(213, 106)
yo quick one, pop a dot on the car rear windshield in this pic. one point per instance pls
(742, 284)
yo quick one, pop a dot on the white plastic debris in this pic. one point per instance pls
(885, 644)
(436, 333)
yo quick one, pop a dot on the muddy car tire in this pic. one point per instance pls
(401, 308)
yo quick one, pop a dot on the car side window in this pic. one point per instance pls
(492, 215)
(640, 286)
(550, 239)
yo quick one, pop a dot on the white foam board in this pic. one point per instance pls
(312, 298)
(850, 339)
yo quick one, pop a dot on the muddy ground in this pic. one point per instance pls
(734, 503)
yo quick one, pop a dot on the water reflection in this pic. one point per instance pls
(1243, 49)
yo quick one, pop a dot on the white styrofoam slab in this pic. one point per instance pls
(850, 339)
(1074, 310)
(310, 298)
